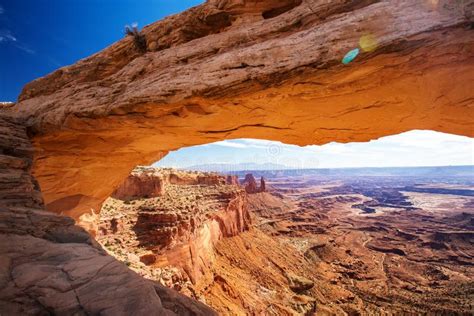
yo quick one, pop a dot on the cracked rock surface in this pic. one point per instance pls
(50, 266)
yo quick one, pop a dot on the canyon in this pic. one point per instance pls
(307, 245)
(195, 235)
(177, 228)
(225, 69)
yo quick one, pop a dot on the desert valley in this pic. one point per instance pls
(298, 242)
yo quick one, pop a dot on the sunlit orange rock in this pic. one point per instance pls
(227, 69)
(178, 228)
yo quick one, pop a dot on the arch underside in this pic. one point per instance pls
(243, 74)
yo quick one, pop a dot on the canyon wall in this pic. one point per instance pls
(260, 69)
(139, 186)
(176, 230)
(146, 182)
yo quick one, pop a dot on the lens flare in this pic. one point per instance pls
(368, 43)
(350, 56)
(432, 4)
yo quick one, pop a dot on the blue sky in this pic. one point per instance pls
(39, 36)
(414, 148)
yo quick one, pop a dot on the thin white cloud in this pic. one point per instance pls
(244, 143)
(25, 48)
(7, 36)
(227, 143)
(414, 148)
(2, 10)
(255, 143)
(54, 62)
(259, 142)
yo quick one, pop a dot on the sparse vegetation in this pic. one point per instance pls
(138, 38)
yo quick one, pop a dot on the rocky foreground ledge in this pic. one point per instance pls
(50, 266)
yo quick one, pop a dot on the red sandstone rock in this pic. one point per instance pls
(137, 186)
(212, 180)
(50, 266)
(146, 182)
(180, 228)
(17, 187)
(251, 186)
(232, 180)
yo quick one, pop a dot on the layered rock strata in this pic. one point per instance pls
(225, 69)
(176, 232)
(17, 187)
(50, 266)
(147, 182)
(251, 186)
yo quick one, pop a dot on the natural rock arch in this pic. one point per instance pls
(240, 75)
(226, 69)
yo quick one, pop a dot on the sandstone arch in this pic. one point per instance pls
(240, 75)
(218, 71)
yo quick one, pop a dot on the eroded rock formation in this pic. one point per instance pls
(176, 232)
(197, 239)
(147, 182)
(139, 186)
(49, 265)
(261, 69)
(251, 186)
(17, 187)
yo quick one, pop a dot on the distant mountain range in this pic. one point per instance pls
(231, 168)
(271, 170)
(430, 172)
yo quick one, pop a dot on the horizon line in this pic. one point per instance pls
(325, 168)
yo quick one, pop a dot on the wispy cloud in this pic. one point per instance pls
(245, 143)
(227, 143)
(54, 62)
(2, 10)
(414, 148)
(6, 36)
(25, 48)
